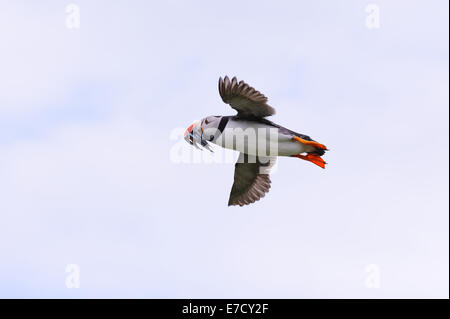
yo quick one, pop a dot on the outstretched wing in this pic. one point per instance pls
(251, 179)
(244, 99)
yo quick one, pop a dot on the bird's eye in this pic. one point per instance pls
(211, 138)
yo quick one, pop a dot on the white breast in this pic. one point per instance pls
(258, 139)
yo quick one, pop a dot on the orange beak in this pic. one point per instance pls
(194, 136)
(189, 130)
(188, 136)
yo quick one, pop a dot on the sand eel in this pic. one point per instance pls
(258, 140)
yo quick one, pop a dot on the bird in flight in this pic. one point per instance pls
(258, 140)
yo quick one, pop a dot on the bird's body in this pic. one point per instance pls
(259, 137)
(258, 140)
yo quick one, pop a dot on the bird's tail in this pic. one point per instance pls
(314, 156)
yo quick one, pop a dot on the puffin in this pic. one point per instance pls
(258, 140)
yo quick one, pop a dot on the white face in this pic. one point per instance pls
(210, 126)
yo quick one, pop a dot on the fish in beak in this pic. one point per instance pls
(194, 136)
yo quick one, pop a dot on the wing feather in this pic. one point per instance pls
(244, 99)
(251, 179)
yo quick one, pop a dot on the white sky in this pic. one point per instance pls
(86, 175)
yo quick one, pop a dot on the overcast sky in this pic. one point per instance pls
(90, 144)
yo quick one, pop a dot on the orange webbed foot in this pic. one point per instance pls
(313, 158)
(312, 143)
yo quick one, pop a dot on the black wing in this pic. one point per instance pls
(251, 179)
(243, 98)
